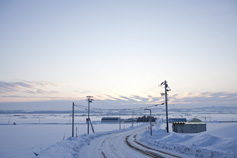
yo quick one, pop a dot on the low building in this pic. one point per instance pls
(189, 127)
(171, 120)
(110, 120)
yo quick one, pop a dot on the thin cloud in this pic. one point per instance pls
(204, 98)
(125, 98)
(6, 87)
(111, 97)
(207, 98)
(38, 97)
(24, 86)
(40, 91)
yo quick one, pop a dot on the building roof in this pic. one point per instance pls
(177, 120)
(183, 123)
(110, 118)
(194, 123)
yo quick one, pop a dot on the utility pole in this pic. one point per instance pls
(166, 107)
(73, 119)
(166, 103)
(89, 99)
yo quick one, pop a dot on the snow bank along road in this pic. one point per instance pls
(121, 145)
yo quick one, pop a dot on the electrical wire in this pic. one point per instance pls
(124, 109)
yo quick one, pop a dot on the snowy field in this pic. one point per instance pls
(33, 133)
(36, 132)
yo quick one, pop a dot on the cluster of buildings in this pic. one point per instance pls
(117, 119)
(179, 125)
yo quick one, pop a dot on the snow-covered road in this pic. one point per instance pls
(119, 145)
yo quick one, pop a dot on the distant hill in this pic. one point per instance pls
(65, 106)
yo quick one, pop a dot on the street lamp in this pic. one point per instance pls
(150, 121)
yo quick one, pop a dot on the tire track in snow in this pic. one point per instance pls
(102, 152)
(135, 140)
(110, 143)
(155, 154)
(148, 153)
(112, 146)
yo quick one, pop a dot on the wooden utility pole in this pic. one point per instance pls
(73, 119)
(166, 107)
(166, 103)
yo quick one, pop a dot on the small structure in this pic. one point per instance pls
(110, 120)
(189, 127)
(171, 120)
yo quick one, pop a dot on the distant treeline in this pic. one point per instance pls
(146, 119)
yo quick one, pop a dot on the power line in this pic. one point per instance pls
(124, 109)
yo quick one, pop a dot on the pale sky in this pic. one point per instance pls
(66, 50)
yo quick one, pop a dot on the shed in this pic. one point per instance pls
(189, 127)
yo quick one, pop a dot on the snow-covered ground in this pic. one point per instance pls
(39, 133)
(22, 140)
(36, 132)
(219, 141)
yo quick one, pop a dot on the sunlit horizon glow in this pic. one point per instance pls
(119, 50)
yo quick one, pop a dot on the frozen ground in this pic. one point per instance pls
(35, 133)
(216, 143)
(219, 141)
(22, 140)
